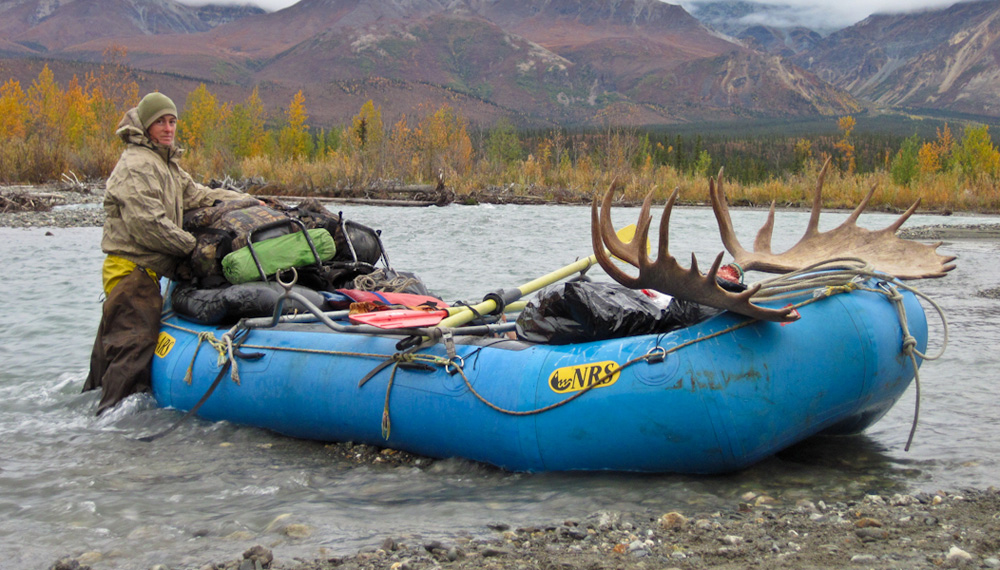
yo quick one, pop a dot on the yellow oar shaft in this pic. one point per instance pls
(465, 314)
(510, 308)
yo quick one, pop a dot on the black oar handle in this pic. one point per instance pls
(502, 298)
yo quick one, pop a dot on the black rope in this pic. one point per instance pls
(477, 318)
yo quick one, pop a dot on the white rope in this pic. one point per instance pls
(224, 348)
(845, 274)
(378, 280)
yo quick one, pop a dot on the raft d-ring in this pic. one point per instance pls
(454, 365)
(287, 285)
(656, 355)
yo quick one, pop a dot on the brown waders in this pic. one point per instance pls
(126, 338)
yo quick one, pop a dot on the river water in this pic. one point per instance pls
(71, 483)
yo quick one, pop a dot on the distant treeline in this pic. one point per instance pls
(754, 153)
(47, 130)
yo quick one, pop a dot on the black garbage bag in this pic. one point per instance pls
(582, 311)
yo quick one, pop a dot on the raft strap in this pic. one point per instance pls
(229, 363)
(194, 409)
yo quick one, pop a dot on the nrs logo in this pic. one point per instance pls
(576, 378)
(163, 344)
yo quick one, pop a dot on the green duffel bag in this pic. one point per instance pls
(276, 254)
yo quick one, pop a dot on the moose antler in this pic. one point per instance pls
(885, 251)
(666, 275)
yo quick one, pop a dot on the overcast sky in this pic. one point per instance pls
(822, 13)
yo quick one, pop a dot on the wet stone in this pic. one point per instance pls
(433, 545)
(68, 564)
(672, 520)
(455, 553)
(867, 522)
(498, 526)
(871, 534)
(732, 540)
(957, 557)
(492, 552)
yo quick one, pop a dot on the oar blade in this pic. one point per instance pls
(399, 318)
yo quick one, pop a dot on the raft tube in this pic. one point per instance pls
(723, 397)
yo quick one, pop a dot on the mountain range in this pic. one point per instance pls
(538, 62)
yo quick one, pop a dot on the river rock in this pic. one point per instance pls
(870, 534)
(902, 500)
(672, 520)
(732, 540)
(277, 522)
(68, 564)
(867, 522)
(91, 557)
(957, 557)
(260, 554)
(297, 531)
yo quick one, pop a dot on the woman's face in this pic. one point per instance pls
(163, 129)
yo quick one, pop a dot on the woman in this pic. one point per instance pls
(145, 200)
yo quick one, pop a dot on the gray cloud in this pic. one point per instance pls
(820, 14)
(265, 4)
(825, 14)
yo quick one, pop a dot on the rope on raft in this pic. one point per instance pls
(859, 271)
(378, 280)
(824, 279)
(840, 275)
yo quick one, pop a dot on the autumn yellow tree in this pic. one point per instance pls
(45, 106)
(367, 129)
(244, 127)
(201, 128)
(13, 111)
(976, 154)
(113, 88)
(367, 139)
(444, 144)
(402, 155)
(846, 160)
(79, 115)
(294, 140)
(935, 156)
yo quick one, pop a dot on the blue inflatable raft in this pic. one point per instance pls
(710, 398)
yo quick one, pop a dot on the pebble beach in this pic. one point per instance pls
(950, 528)
(875, 531)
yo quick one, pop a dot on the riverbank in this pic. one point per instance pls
(80, 206)
(940, 530)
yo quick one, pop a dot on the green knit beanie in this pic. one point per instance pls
(154, 106)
